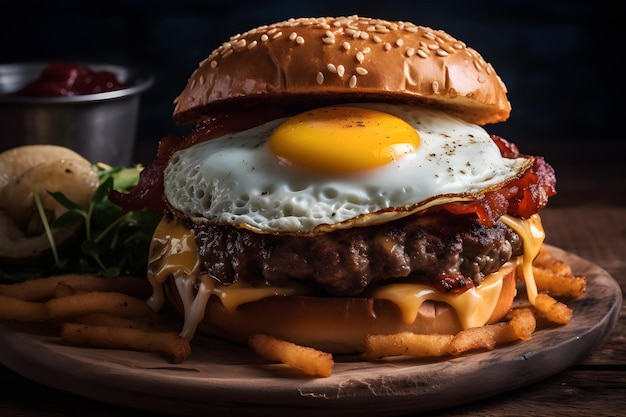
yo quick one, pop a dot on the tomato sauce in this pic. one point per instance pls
(59, 79)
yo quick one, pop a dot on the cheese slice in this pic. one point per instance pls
(174, 253)
(473, 307)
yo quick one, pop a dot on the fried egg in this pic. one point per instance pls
(336, 167)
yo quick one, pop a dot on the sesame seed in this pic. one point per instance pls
(360, 56)
(341, 70)
(213, 64)
(332, 68)
(293, 36)
(201, 80)
(320, 78)
(435, 87)
(227, 53)
(387, 46)
(367, 50)
(264, 37)
(277, 35)
(442, 53)
(328, 40)
(377, 39)
(346, 46)
(433, 46)
(448, 48)
(361, 71)
(399, 42)
(330, 34)
(252, 44)
(299, 40)
(352, 83)
(422, 53)
(410, 52)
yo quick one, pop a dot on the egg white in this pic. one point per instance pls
(236, 180)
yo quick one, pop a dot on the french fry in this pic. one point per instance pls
(14, 309)
(97, 302)
(63, 290)
(556, 277)
(152, 322)
(477, 338)
(168, 343)
(553, 310)
(45, 288)
(406, 343)
(559, 285)
(308, 360)
(546, 260)
(523, 323)
(520, 327)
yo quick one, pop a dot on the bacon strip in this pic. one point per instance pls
(521, 197)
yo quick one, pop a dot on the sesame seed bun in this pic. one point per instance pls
(344, 59)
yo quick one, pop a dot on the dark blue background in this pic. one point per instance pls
(560, 60)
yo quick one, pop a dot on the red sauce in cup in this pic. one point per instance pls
(66, 79)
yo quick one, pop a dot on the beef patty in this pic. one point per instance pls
(417, 248)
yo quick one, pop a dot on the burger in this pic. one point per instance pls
(337, 182)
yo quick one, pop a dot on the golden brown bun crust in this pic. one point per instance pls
(336, 325)
(344, 59)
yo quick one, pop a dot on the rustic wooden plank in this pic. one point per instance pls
(577, 392)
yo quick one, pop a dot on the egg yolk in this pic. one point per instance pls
(342, 139)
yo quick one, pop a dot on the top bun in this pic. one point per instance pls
(344, 59)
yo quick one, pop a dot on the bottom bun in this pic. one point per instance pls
(330, 324)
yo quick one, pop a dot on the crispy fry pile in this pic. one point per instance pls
(111, 313)
(94, 311)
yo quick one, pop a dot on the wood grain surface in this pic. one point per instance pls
(587, 218)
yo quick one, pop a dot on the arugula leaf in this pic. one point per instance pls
(112, 244)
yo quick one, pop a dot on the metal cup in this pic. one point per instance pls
(101, 127)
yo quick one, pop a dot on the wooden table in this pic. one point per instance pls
(587, 218)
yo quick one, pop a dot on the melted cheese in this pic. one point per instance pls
(174, 253)
(473, 307)
(532, 234)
